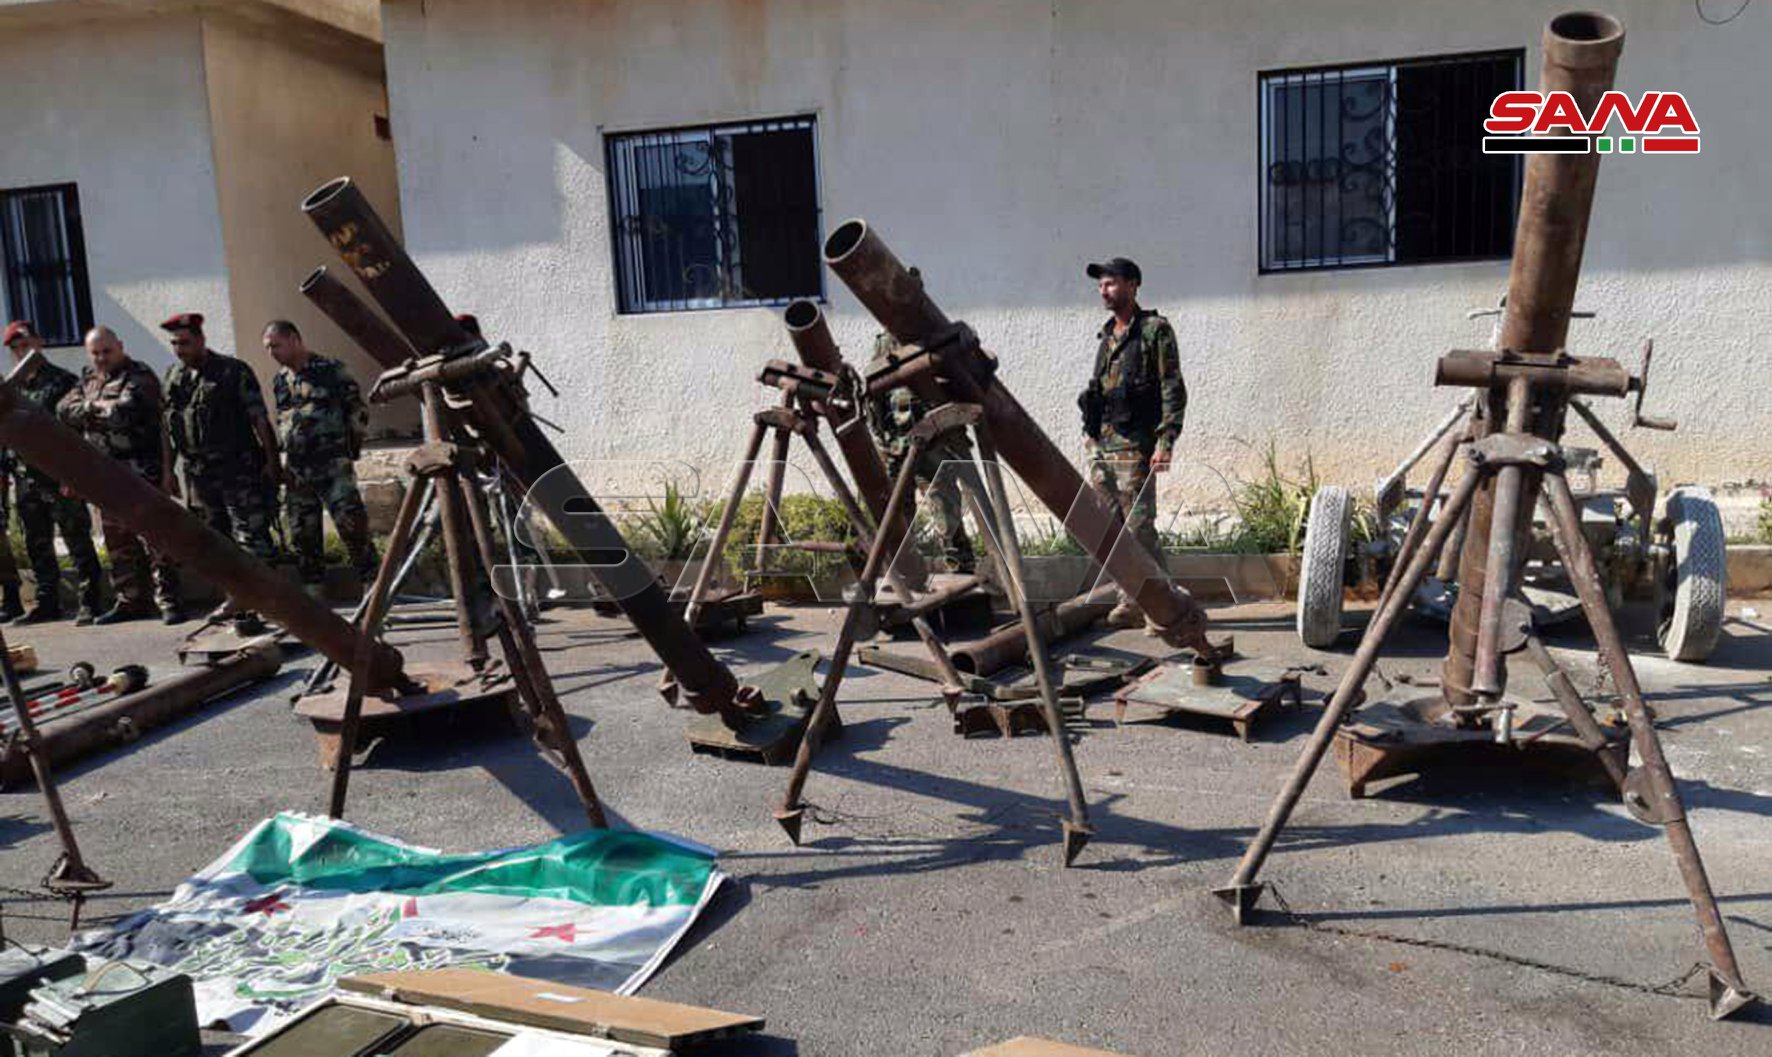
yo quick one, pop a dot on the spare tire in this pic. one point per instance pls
(1693, 593)
(1322, 566)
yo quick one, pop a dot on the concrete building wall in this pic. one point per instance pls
(290, 112)
(118, 107)
(998, 145)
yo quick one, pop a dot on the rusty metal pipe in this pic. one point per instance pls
(175, 534)
(1418, 524)
(895, 297)
(1008, 645)
(1581, 51)
(728, 514)
(359, 322)
(365, 243)
(816, 348)
(121, 720)
(1481, 369)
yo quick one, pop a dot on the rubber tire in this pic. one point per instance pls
(1690, 626)
(1322, 565)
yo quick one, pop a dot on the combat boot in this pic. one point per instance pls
(11, 608)
(88, 610)
(121, 612)
(41, 613)
(173, 614)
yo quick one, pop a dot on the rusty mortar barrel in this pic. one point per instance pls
(177, 535)
(1581, 51)
(418, 314)
(895, 296)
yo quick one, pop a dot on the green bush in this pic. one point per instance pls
(803, 518)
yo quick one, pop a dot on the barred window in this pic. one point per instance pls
(1383, 163)
(716, 216)
(45, 261)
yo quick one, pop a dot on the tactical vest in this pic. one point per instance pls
(205, 419)
(1135, 404)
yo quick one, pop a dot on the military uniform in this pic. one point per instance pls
(119, 414)
(209, 410)
(320, 424)
(43, 509)
(891, 418)
(1132, 409)
(9, 578)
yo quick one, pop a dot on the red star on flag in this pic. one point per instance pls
(567, 933)
(410, 910)
(266, 905)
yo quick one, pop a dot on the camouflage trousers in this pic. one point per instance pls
(236, 504)
(329, 486)
(939, 470)
(1122, 476)
(42, 511)
(137, 573)
(8, 563)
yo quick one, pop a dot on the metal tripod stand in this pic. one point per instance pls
(1517, 464)
(856, 619)
(445, 471)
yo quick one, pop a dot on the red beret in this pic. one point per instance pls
(184, 321)
(469, 323)
(18, 328)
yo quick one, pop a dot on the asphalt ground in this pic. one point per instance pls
(928, 911)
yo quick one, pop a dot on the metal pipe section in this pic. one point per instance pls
(364, 242)
(359, 322)
(1581, 51)
(895, 297)
(175, 534)
(123, 719)
(816, 348)
(1008, 645)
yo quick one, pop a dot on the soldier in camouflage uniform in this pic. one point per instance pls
(320, 422)
(891, 418)
(1132, 409)
(43, 507)
(117, 407)
(218, 430)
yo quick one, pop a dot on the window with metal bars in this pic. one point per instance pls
(45, 261)
(717, 216)
(1383, 163)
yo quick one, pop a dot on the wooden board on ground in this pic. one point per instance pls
(1028, 1046)
(544, 1004)
(23, 656)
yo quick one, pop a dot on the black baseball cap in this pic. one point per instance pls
(1118, 267)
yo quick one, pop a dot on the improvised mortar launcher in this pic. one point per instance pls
(1525, 387)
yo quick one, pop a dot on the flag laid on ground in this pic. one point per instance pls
(301, 901)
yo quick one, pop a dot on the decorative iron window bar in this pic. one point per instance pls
(44, 253)
(715, 216)
(1382, 163)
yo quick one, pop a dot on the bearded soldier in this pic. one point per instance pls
(1132, 409)
(43, 507)
(117, 407)
(320, 424)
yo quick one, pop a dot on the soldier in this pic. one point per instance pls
(11, 606)
(891, 418)
(1132, 409)
(117, 406)
(218, 429)
(320, 423)
(43, 506)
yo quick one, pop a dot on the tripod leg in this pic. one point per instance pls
(518, 641)
(950, 674)
(791, 812)
(1657, 798)
(692, 612)
(452, 502)
(1077, 829)
(374, 608)
(1580, 717)
(1243, 891)
(1418, 524)
(778, 469)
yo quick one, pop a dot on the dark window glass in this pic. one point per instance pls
(45, 261)
(1383, 163)
(716, 216)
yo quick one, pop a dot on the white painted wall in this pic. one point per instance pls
(118, 107)
(999, 144)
